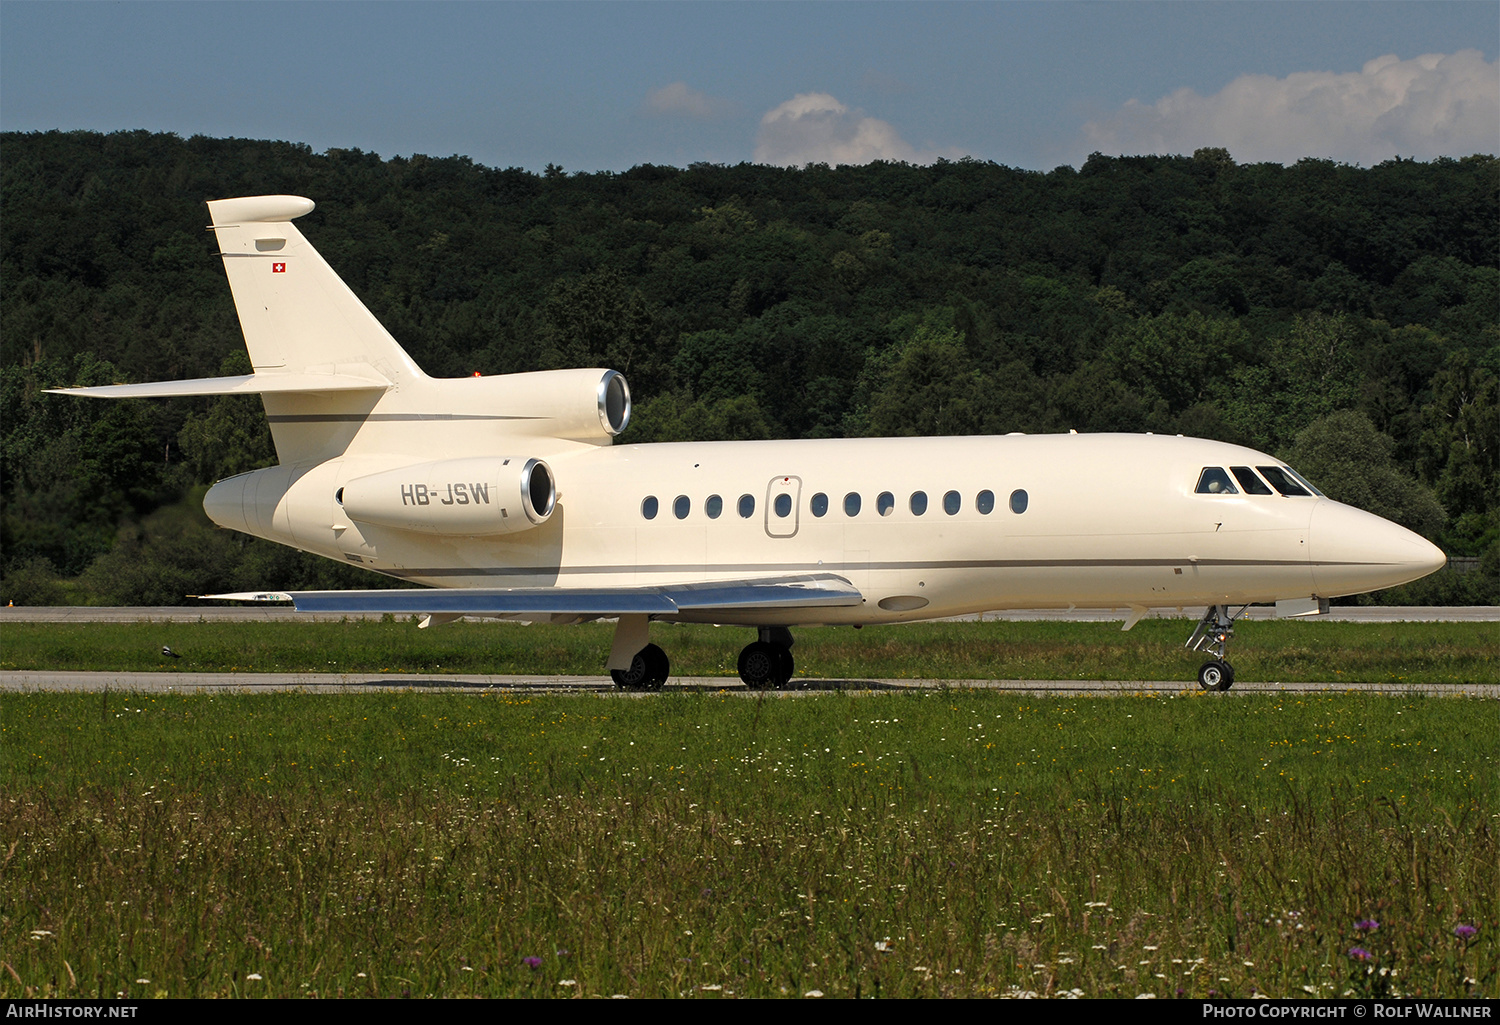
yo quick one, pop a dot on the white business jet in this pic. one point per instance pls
(507, 495)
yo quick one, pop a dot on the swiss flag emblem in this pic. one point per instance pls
(278, 268)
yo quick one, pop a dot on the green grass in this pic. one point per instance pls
(1285, 651)
(948, 843)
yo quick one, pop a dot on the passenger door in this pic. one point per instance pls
(782, 506)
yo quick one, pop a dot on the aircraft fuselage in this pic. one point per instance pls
(1107, 521)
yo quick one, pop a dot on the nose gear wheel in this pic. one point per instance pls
(1216, 675)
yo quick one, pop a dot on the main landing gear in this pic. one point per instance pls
(648, 670)
(767, 663)
(1213, 634)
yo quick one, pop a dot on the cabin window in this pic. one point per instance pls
(783, 505)
(682, 507)
(985, 502)
(1282, 482)
(952, 503)
(885, 503)
(1214, 481)
(918, 503)
(747, 506)
(649, 507)
(1018, 502)
(851, 504)
(1252, 484)
(819, 504)
(714, 507)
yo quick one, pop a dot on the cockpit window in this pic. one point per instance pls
(1214, 481)
(1283, 482)
(1252, 484)
(1303, 481)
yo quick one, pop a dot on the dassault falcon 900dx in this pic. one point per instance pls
(508, 497)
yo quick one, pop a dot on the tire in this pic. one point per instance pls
(785, 667)
(658, 667)
(1211, 674)
(759, 665)
(648, 670)
(636, 676)
(1215, 675)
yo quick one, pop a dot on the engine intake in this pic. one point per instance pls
(614, 402)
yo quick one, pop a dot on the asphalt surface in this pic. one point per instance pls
(352, 683)
(349, 683)
(276, 613)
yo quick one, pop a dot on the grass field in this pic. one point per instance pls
(944, 843)
(1262, 650)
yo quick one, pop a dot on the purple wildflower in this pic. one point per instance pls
(532, 962)
(1368, 925)
(1359, 953)
(1463, 932)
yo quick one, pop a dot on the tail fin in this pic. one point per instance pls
(298, 318)
(296, 313)
(334, 382)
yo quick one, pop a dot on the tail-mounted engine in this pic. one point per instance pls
(467, 497)
(578, 405)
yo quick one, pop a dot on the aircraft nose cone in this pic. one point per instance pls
(1353, 551)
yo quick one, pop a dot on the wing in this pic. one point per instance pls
(815, 590)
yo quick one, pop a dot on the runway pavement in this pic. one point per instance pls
(275, 613)
(341, 683)
(349, 683)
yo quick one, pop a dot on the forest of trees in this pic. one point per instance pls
(1344, 318)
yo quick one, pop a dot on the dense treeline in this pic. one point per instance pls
(1345, 318)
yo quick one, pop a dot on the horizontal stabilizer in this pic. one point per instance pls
(823, 590)
(249, 384)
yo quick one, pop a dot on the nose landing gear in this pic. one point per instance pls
(1213, 634)
(767, 662)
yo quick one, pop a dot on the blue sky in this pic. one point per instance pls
(596, 86)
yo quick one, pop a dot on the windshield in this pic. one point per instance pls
(1283, 481)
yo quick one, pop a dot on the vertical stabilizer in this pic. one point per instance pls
(296, 313)
(299, 317)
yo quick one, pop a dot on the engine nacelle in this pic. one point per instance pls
(466, 497)
(579, 405)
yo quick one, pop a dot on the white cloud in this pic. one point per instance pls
(680, 98)
(1433, 105)
(815, 128)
